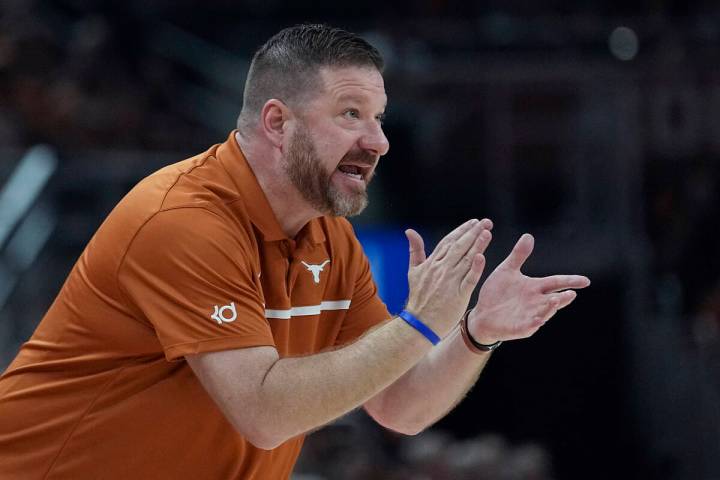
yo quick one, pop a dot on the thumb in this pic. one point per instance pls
(522, 250)
(417, 247)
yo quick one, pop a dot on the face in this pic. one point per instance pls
(337, 141)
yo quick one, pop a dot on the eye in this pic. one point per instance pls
(380, 118)
(352, 113)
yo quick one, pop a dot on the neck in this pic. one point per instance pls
(288, 205)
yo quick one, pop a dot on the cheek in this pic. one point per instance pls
(333, 152)
(333, 144)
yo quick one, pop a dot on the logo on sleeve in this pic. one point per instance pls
(316, 269)
(225, 314)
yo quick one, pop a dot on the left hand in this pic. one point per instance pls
(512, 305)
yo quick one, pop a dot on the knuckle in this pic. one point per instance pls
(537, 322)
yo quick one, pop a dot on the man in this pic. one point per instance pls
(225, 308)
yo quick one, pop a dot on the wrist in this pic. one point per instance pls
(420, 326)
(478, 337)
(476, 345)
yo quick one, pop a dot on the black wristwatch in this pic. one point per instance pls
(472, 344)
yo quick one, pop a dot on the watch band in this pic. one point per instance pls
(472, 344)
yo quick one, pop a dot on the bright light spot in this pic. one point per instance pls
(623, 43)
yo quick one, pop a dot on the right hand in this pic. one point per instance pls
(441, 284)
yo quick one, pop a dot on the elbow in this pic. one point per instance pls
(414, 431)
(263, 440)
(409, 430)
(397, 425)
(258, 434)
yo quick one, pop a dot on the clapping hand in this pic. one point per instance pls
(512, 305)
(442, 283)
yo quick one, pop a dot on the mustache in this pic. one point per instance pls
(361, 157)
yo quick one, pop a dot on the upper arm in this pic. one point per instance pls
(233, 379)
(189, 274)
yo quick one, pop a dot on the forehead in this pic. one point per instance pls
(363, 83)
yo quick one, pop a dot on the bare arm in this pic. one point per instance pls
(510, 306)
(269, 399)
(428, 391)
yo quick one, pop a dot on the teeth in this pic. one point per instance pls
(353, 175)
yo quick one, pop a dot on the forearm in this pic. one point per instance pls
(429, 390)
(269, 399)
(302, 393)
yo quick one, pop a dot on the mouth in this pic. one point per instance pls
(355, 171)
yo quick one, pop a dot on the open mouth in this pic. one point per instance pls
(354, 171)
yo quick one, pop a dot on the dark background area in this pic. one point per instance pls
(593, 125)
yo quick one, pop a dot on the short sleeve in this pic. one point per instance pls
(189, 273)
(366, 307)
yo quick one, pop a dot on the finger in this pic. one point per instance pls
(555, 303)
(556, 283)
(417, 247)
(486, 223)
(460, 249)
(548, 308)
(479, 246)
(473, 275)
(563, 299)
(520, 253)
(444, 245)
(482, 242)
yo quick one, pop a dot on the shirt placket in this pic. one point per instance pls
(288, 248)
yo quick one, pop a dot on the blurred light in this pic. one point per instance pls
(30, 238)
(623, 43)
(24, 186)
(8, 279)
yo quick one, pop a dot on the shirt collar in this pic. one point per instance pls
(256, 203)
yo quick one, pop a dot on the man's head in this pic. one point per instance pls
(287, 67)
(316, 94)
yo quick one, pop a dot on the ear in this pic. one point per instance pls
(273, 121)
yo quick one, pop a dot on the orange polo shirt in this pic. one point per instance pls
(192, 260)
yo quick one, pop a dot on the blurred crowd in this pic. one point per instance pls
(352, 449)
(85, 81)
(683, 210)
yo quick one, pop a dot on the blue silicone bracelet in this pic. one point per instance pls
(419, 326)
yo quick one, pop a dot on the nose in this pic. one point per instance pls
(375, 141)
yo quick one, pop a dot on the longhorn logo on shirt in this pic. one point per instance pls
(221, 316)
(316, 269)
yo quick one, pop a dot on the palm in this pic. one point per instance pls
(512, 305)
(504, 298)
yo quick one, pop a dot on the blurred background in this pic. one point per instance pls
(594, 125)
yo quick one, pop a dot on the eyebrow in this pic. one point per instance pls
(355, 98)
